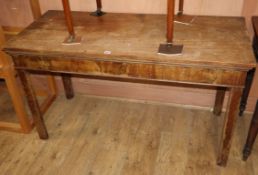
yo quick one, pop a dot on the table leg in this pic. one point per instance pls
(98, 12)
(33, 104)
(229, 125)
(220, 95)
(181, 7)
(252, 133)
(68, 86)
(248, 84)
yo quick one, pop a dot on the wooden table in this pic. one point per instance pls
(217, 54)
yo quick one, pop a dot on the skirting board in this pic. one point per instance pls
(148, 92)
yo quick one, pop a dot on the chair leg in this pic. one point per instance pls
(18, 102)
(252, 133)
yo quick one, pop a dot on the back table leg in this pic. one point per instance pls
(68, 86)
(33, 104)
(220, 95)
(252, 133)
(229, 125)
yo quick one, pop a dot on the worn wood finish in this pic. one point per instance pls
(229, 124)
(113, 49)
(127, 70)
(220, 95)
(33, 103)
(252, 134)
(68, 86)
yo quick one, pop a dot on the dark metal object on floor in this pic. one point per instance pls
(170, 49)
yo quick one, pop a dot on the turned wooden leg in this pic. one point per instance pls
(229, 125)
(220, 95)
(248, 84)
(68, 86)
(33, 104)
(252, 133)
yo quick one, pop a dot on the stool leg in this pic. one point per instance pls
(68, 86)
(252, 133)
(220, 95)
(248, 84)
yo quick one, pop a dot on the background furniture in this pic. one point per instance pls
(8, 73)
(253, 130)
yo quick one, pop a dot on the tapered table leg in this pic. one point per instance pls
(68, 86)
(169, 48)
(220, 95)
(248, 84)
(33, 104)
(181, 7)
(252, 133)
(229, 125)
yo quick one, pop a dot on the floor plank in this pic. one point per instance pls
(104, 136)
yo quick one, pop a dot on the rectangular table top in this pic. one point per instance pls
(220, 42)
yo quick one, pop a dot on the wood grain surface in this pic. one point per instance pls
(116, 137)
(208, 41)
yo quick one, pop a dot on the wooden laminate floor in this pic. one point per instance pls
(101, 136)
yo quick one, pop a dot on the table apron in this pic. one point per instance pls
(158, 72)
